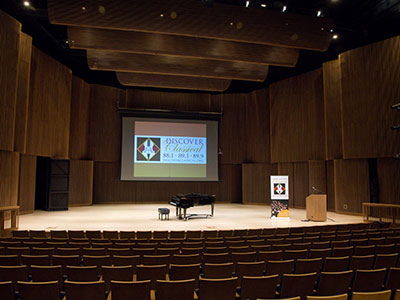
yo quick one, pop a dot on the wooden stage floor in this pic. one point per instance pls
(145, 217)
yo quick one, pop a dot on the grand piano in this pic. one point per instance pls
(184, 201)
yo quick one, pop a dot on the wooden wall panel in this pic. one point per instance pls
(351, 181)
(80, 182)
(297, 118)
(256, 188)
(136, 98)
(330, 186)
(27, 184)
(316, 177)
(10, 31)
(24, 75)
(49, 107)
(370, 84)
(109, 189)
(257, 127)
(389, 180)
(105, 123)
(332, 111)
(288, 169)
(300, 184)
(232, 133)
(9, 174)
(79, 125)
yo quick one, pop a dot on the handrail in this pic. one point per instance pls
(381, 211)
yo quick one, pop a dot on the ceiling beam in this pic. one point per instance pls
(192, 18)
(163, 44)
(174, 65)
(173, 82)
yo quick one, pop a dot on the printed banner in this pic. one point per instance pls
(170, 149)
(279, 196)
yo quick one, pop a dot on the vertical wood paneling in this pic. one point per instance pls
(351, 185)
(105, 123)
(27, 184)
(9, 174)
(332, 112)
(370, 84)
(300, 184)
(257, 127)
(316, 176)
(10, 31)
(233, 133)
(24, 75)
(389, 180)
(330, 186)
(256, 185)
(80, 182)
(79, 127)
(297, 118)
(109, 189)
(168, 100)
(288, 169)
(49, 107)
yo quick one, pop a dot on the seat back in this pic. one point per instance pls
(38, 290)
(85, 290)
(216, 258)
(336, 297)
(9, 260)
(308, 265)
(393, 279)
(163, 259)
(117, 273)
(336, 264)
(175, 289)
(47, 273)
(82, 274)
(7, 290)
(368, 280)
(280, 267)
(152, 273)
(365, 262)
(249, 269)
(381, 295)
(298, 285)
(182, 272)
(133, 290)
(385, 260)
(253, 288)
(224, 270)
(14, 274)
(217, 289)
(333, 283)
(66, 260)
(121, 260)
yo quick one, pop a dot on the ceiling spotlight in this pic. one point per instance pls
(263, 5)
(247, 3)
(26, 3)
(284, 8)
(335, 36)
(319, 13)
(331, 30)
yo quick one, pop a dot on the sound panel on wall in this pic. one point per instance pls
(27, 184)
(256, 183)
(81, 182)
(9, 173)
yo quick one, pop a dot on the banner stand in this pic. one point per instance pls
(280, 197)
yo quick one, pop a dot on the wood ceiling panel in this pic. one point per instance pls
(173, 82)
(174, 65)
(192, 18)
(163, 44)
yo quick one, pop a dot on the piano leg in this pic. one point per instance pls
(212, 209)
(176, 210)
(184, 214)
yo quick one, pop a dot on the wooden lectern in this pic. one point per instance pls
(316, 207)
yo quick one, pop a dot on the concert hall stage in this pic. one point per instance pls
(145, 217)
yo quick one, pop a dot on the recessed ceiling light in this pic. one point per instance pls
(247, 3)
(319, 13)
(26, 3)
(335, 36)
(263, 5)
(284, 8)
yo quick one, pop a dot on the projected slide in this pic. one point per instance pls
(169, 150)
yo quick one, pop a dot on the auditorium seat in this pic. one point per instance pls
(14, 274)
(85, 290)
(218, 270)
(217, 289)
(132, 260)
(249, 269)
(144, 251)
(381, 295)
(368, 280)
(376, 241)
(298, 285)
(110, 234)
(152, 273)
(9, 260)
(6, 290)
(177, 234)
(258, 231)
(134, 290)
(336, 264)
(340, 243)
(342, 251)
(127, 235)
(156, 259)
(333, 283)
(215, 249)
(336, 297)
(76, 234)
(68, 251)
(96, 260)
(243, 257)
(168, 251)
(193, 234)
(82, 273)
(147, 244)
(308, 265)
(39, 290)
(42, 251)
(191, 251)
(117, 273)
(38, 234)
(20, 233)
(210, 233)
(216, 258)
(196, 245)
(321, 245)
(186, 259)
(385, 260)
(119, 251)
(175, 289)
(280, 267)
(364, 250)
(270, 255)
(58, 234)
(235, 243)
(181, 272)
(316, 253)
(225, 233)
(240, 232)
(259, 247)
(47, 273)
(253, 287)
(365, 262)
(295, 254)
(385, 249)
(18, 251)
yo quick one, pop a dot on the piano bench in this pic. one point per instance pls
(163, 213)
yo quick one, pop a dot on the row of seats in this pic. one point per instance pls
(245, 287)
(107, 234)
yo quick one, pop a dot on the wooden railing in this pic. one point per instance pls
(381, 212)
(14, 211)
